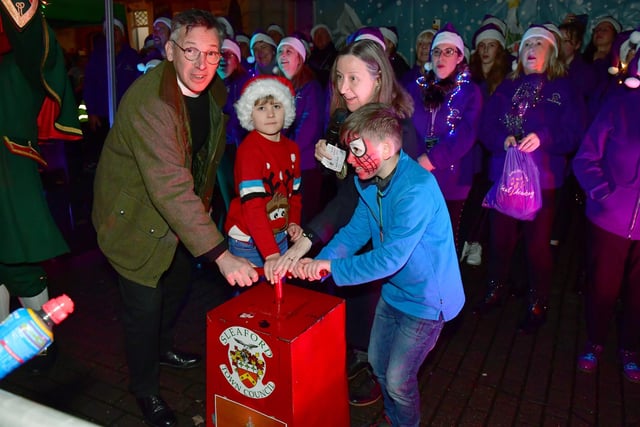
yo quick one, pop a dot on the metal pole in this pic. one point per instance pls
(111, 63)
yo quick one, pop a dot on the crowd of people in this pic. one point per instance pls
(212, 109)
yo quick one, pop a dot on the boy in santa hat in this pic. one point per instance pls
(267, 206)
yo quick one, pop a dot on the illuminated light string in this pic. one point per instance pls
(462, 78)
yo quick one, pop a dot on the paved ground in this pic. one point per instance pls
(482, 371)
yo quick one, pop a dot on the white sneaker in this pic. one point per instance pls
(465, 251)
(474, 254)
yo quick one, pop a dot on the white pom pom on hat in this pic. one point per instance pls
(633, 81)
(260, 87)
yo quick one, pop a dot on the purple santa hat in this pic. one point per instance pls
(296, 43)
(260, 36)
(390, 33)
(367, 33)
(490, 19)
(446, 34)
(488, 32)
(610, 19)
(535, 30)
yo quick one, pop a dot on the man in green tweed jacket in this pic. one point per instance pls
(152, 200)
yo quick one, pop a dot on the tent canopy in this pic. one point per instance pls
(68, 13)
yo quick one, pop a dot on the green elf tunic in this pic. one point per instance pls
(34, 89)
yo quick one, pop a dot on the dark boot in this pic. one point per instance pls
(493, 298)
(535, 316)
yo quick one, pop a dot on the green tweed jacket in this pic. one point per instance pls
(146, 198)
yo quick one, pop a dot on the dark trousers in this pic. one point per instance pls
(456, 208)
(613, 271)
(149, 316)
(505, 233)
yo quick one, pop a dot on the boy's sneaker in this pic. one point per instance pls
(588, 360)
(474, 255)
(630, 367)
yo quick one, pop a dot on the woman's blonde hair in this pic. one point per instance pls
(554, 67)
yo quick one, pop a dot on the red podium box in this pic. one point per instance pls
(272, 364)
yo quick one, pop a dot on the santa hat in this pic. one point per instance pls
(163, 20)
(448, 34)
(259, 36)
(117, 23)
(391, 34)
(260, 87)
(317, 27)
(620, 49)
(488, 32)
(242, 38)
(427, 31)
(611, 20)
(296, 44)
(490, 19)
(277, 28)
(367, 33)
(233, 47)
(539, 31)
(554, 29)
(227, 26)
(633, 81)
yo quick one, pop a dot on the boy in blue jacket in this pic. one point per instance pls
(402, 210)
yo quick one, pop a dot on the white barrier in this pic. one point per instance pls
(16, 411)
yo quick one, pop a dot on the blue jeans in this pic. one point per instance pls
(398, 346)
(249, 250)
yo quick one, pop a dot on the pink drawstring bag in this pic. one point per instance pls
(517, 193)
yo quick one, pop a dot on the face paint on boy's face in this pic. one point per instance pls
(364, 158)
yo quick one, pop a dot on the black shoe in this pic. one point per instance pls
(366, 391)
(180, 360)
(536, 316)
(493, 298)
(156, 412)
(356, 363)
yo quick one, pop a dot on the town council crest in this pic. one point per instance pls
(247, 364)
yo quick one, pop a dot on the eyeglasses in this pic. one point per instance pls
(448, 52)
(191, 54)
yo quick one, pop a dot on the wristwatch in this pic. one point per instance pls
(309, 235)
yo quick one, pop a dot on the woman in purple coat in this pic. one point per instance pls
(307, 127)
(539, 112)
(606, 166)
(448, 106)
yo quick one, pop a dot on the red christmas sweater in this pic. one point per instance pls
(267, 177)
